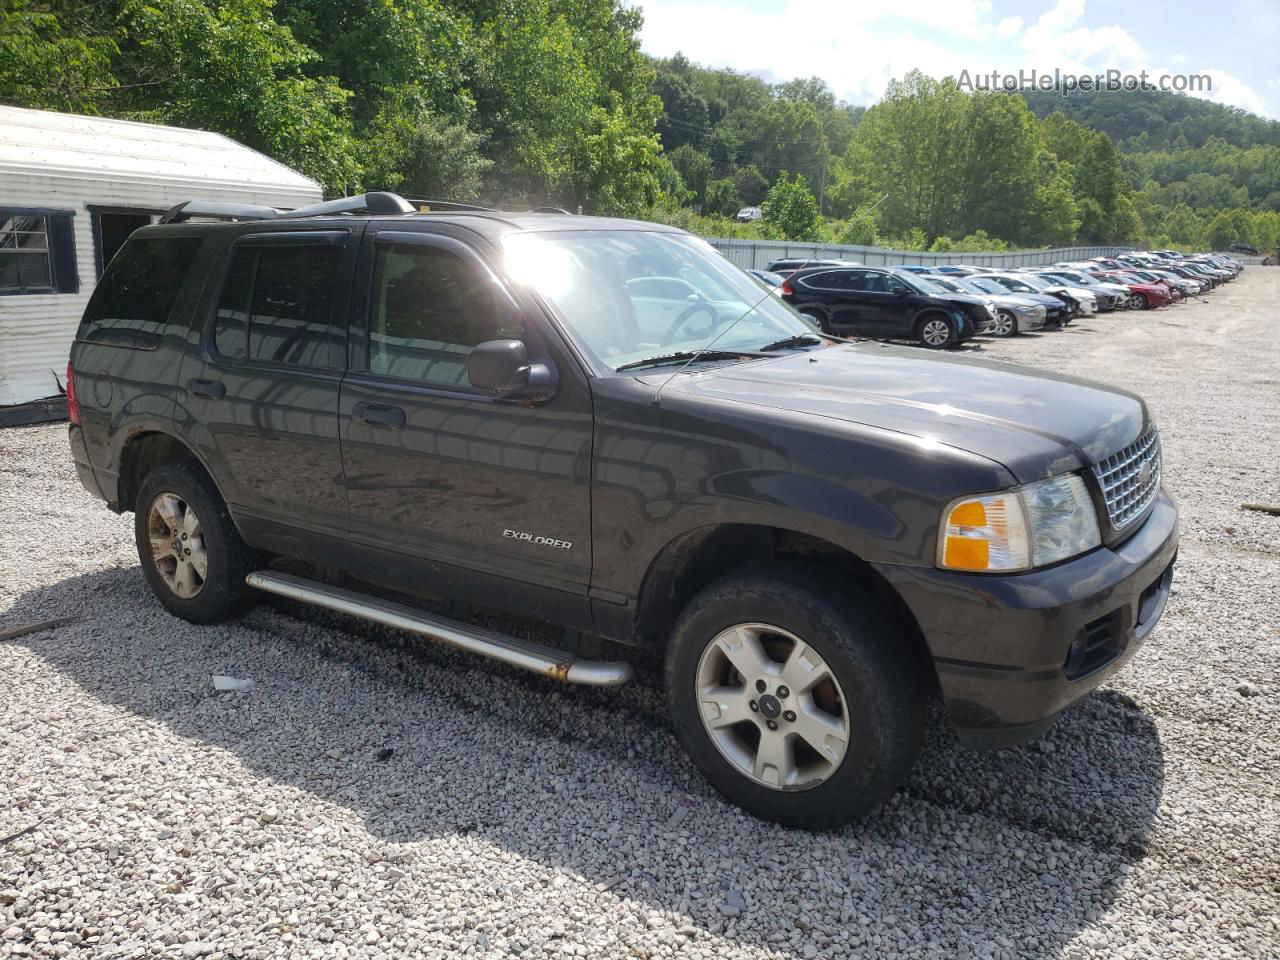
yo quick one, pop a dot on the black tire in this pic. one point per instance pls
(926, 327)
(223, 593)
(864, 649)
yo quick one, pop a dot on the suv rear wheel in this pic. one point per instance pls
(191, 553)
(935, 331)
(794, 696)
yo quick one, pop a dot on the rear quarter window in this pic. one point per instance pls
(132, 304)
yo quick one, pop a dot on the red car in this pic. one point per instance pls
(1146, 276)
(1141, 294)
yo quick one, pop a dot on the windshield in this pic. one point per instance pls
(1078, 278)
(631, 295)
(918, 283)
(951, 284)
(1010, 284)
(984, 285)
(1036, 283)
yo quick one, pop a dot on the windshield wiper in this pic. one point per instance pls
(786, 343)
(685, 355)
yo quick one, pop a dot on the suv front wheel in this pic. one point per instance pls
(191, 553)
(793, 696)
(935, 331)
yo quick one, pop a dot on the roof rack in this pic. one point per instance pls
(378, 204)
(427, 205)
(218, 210)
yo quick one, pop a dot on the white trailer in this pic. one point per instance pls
(72, 189)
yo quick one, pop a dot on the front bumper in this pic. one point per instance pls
(1032, 321)
(1012, 652)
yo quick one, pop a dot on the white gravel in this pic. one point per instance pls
(368, 799)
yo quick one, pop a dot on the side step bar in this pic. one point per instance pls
(487, 643)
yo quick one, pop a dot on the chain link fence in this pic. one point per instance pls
(757, 254)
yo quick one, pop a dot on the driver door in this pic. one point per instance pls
(450, 488)
(879, 308)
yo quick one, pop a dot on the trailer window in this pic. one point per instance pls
(24, 255)
(37, 252)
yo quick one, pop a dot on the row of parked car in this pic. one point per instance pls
(940, 306)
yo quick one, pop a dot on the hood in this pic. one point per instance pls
(1041, 298)
(1016, 300)
(1115, 289)
(968, 299)
(1036, 424)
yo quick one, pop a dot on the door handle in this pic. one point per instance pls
(208, 388)
(379, 414)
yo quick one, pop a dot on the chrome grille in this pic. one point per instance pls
(1130, 479)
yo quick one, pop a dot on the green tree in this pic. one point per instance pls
(947, 162)
(721, 198)
(236, 70)
(53, 59)
(792, 208)
(695, 169)
(1183, 226)
(1228, 227)
(750, 185)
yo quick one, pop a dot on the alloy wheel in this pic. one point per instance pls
(1005, 324)
(936, 332)
(1136, 301)
(772, 706)
(177, 545)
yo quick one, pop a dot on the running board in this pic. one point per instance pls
(487, 643)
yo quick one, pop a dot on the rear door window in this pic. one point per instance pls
(277, 305)
(132, 304)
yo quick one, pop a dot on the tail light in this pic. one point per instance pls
(73, 407)
(786, 289)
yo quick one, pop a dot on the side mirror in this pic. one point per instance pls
(502, 368)
(899, 291)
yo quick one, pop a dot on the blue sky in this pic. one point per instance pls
(857, 46)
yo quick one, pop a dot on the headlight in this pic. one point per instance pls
(1018, 529)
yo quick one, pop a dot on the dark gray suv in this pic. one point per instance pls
(605, 426)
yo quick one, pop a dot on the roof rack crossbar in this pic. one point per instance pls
(219, 210)
(377, 204)
(426, 205)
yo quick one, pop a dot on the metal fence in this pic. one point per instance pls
(757, 254)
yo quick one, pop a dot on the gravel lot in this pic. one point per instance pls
(367, 798)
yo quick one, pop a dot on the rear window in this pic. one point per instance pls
(277, 305)
(134, 298)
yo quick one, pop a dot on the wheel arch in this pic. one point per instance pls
(143, 452)
(698, 557)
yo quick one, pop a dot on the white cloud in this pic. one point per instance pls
(1231, 90)
(1009, 27)
(887, 38)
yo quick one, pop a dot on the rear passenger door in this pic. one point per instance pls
(263, 404)
(834, 289)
